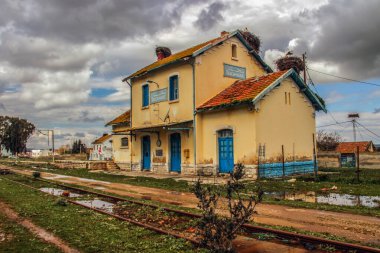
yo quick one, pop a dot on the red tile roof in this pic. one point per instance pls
(172, 58)
(350, 147)
(241, 91)
(123, 118)
(102, 139)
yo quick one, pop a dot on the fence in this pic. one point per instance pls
(271, 170)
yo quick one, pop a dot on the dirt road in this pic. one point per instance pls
(38, 231)
(359, 228)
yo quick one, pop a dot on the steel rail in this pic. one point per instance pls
(248, 227)
(147, 226)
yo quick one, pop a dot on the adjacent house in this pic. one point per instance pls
(206, 108)
(348, 151)
(4, 152)
(102, 148)
(121, 142)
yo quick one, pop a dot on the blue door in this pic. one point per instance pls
(175, 152)
(146, 153)
(226, 151)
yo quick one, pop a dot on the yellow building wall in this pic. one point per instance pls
(154, 114)
(291, 125)
(121, 154)
(162, 163)
(274, 124)
(209, 69)
(240, 121)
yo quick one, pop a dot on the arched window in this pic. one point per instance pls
(124, 142)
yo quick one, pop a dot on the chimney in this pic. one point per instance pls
(224, 33)
(162, 52)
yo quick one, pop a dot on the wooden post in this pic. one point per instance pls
(315, 160)
(283, 161)
(357, 164)
(258, 162)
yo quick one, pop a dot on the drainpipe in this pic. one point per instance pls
(194, 119)
(130, 122)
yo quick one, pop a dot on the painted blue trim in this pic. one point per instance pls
(232, 68)
(317, 104)
(172, 94)
(270, 170)
(242, 40)
(145, 95)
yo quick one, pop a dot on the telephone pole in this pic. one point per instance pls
(353, 116)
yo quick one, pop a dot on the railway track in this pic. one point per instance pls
(181, 224)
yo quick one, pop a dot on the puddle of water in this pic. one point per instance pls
(97, 204)
(58, 192)
(329, 198)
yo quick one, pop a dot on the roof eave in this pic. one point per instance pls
(305, 89)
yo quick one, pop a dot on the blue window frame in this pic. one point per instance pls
(145, 95)
(173, 87)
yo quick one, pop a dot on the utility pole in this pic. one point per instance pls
(353, 116)
(304, 66)
(52, 138)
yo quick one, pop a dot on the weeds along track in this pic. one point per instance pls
(177, 223)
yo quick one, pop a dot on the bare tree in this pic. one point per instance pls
(327, 141)
(217, 231)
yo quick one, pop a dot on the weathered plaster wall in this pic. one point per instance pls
(292, 125)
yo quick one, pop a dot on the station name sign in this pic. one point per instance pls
(234, 71)
(158, 96)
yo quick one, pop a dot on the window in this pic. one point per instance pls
(124, 142)
(145, 95)
(234, 51)
(173, 88)
(225, 133)
(287, 98)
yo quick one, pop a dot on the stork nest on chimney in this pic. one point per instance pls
(290, 61)
(165, 50)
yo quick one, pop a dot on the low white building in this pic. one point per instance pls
(40, 152)
(4, 152)
(102, 148)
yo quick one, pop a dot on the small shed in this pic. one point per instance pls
(348, 151)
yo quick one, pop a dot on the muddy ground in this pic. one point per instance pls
(360, 228)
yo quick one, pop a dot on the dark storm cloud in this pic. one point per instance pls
(377, 110)
(349, 37)
(101, 20)
(86, 117)
(210, 16)
(62, 136)
(80, 135)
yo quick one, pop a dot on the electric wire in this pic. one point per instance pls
(369, 130)
(337, 123)
(345, 78)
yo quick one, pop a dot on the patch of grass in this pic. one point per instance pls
(84, 229)
(16, 238)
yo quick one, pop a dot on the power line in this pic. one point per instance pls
(369, 130)
(345, 78)
(370, 136)
(337, 123)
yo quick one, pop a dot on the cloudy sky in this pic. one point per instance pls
(62, 61)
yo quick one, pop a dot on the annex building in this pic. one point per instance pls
(216, 104)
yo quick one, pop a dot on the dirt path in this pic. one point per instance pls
(38, 231)
(359, 228)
